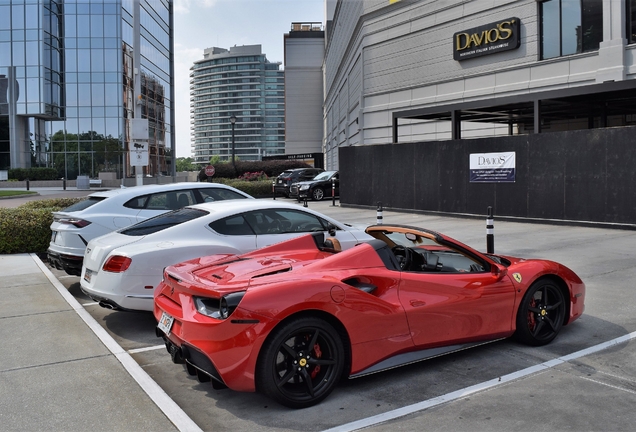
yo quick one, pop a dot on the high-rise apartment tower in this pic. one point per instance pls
(240, 84)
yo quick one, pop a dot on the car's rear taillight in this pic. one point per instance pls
(79, 223)
(117, 264)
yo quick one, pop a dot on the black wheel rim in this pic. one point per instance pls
(546, 310)
(305, 365)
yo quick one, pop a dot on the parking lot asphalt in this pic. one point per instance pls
(68, 365)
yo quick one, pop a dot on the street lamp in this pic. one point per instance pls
(233, 121)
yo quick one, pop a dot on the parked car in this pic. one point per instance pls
(121, 269)
(317, 188)
(286, 178)
(106, 211)
(293, 319)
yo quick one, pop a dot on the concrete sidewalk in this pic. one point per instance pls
(59, 370)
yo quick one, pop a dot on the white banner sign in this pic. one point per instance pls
(492, 167)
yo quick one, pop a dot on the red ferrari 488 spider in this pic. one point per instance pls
(292, 319)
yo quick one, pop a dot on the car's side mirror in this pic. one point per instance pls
(498, 271)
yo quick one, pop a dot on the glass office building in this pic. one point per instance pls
(71, 80)
(238, 82)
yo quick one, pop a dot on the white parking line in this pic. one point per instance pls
(420, 406)
(152, 348)
(170, 409)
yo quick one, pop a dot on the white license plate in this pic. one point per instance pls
(165, 323)
(88, 274)
(53, 236)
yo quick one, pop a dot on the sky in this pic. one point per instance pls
(201, 24)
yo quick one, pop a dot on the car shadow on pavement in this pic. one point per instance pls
(76, 291)
(129, 328)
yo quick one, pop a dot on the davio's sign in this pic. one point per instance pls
(487, 39)
(492, 167)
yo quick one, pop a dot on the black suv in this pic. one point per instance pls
(318, 188)
(286, 178)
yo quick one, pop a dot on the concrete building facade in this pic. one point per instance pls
(386, 57)
(420, 72)
(304, 53)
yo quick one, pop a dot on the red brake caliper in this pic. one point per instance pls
(531, 321)
(317, 354)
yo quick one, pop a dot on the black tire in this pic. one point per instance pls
(318, 194)
(541, 313)
(300, 363)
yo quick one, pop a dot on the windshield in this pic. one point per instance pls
(409, 241)
(324, 175)
(163, 221)
(417, 252)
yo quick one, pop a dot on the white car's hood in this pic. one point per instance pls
(99, 248)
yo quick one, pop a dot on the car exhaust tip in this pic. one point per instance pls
(175, 354)
(107, 305)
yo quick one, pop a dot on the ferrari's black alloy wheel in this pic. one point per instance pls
(300, 363)
(318, 194)
(541, 313)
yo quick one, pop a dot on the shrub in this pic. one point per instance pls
(253, 176)
(27, 229)
(24, 230)
(22, 174)
(55, 204)
(258, 188)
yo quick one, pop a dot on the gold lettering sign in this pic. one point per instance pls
(487, 39)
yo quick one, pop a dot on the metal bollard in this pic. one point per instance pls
(27, 184)
(490, 232)
(333, 191)
(64, 183)
(274, 189)
(379, 216)
(305, 202)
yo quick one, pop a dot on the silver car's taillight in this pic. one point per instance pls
(77, 222)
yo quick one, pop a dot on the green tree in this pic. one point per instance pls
(186, 164)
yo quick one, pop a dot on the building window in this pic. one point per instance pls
(631, 21)
(570, 27)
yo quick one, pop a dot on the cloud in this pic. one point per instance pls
(183, 6)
